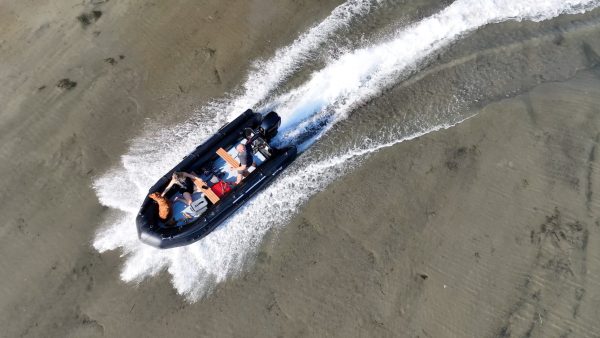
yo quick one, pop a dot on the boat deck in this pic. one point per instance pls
(221, 169)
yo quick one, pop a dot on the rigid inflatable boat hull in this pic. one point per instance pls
(155, 233)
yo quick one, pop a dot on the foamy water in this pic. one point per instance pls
(308, 112)
(265, 76)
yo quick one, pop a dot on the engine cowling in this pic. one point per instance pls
(269, 125)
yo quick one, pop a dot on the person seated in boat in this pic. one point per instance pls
(246, 161)
(197, 182)
(185, 186)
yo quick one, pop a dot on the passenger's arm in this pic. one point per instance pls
(196, 180)
(193, 177)
(167, 188)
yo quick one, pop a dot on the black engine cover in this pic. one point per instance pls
(269, 125)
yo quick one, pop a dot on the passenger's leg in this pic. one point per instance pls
(188, 198)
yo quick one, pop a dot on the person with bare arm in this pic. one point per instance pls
(185, 186)
(246, 161)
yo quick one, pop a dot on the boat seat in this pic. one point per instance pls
(227, 157)
(203, 187)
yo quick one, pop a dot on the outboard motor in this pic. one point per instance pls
(269, 125)
(258, 143)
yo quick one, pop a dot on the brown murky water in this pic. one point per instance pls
(489, 228)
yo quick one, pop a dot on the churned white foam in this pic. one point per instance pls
(307, 112)
(124, 188)
(177, 141)
(360, 75)
(197, 268)
(267, 75)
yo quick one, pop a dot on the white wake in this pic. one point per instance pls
(308, 112)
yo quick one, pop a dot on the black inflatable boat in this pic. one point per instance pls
(188, 223)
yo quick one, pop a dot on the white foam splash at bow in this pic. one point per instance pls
(325, 99)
